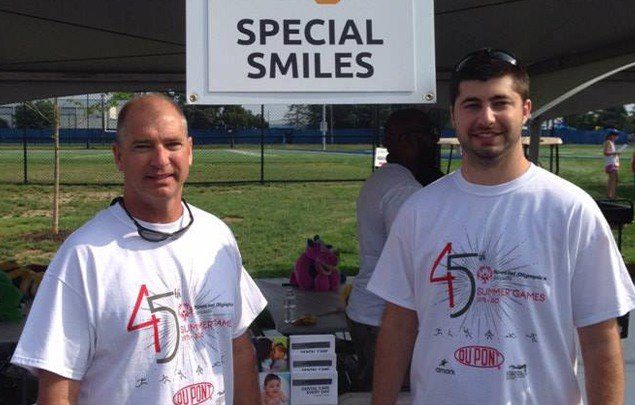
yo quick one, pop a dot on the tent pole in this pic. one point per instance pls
(534, 139)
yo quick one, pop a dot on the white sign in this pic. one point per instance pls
(310, 51)
(380, 156)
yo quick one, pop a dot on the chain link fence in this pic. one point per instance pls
(251, 143)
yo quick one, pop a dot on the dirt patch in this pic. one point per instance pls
(36, 214)
(43, 236)
(89, 195)
(32, 255)
(232, 220)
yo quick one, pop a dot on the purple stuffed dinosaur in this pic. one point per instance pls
(316, 269)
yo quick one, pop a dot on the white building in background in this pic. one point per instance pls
(95, 111)
(88, 111)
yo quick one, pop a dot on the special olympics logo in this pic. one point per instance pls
(185, 311)
(485, 274)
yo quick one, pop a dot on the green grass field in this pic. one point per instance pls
(212, 165)
(271, 221)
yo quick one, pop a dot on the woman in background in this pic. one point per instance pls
(611, 163)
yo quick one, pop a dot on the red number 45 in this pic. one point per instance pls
(154, 321)
(449, 277)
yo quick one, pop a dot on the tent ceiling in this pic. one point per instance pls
(79, 46)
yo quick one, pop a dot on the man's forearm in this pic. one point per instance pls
(393, 353)
(603, 363)
(56, 390)
(245, 374)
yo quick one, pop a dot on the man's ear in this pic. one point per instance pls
(191, 143)
(116, 153)
(526, 110)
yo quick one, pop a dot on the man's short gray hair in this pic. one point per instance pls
(125, 110)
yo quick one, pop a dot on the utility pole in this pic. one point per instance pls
(103, 118)
(331, 121)
(323, 126)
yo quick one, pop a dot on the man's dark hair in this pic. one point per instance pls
(484, 65)
(409, 121)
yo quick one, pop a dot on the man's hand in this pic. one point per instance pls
(245, 374)
(56, 390)
(603, 363)
(393, 353)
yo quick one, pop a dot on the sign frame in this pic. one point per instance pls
(198, 70)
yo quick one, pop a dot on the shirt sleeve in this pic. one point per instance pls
(601, 288)
(57, 335)
(393, 278)
(249, 304)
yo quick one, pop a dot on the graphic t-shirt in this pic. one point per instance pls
(142, 322)
(501, 277)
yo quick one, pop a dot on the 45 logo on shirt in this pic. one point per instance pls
(153, 323)
(461, 286)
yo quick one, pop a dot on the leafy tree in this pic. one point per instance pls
(214, 116)
(300, 116)
(613, 117)
(236, 117)
(35, 114)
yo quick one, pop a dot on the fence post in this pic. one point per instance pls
(87, 123)
(375, 135)
(56, 168)
(262, 144)
(103, 119)
(24, 151)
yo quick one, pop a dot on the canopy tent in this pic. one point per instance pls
(84, 46)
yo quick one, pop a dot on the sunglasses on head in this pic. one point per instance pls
(150, 234)
(486, 54)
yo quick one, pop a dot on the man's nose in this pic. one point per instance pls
(161, 157)
(487, 116)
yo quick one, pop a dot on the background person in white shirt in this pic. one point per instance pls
(611, 163)
(411, 139)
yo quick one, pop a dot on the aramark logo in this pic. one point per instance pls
(479, 356)
(443, 368)
(193, 394)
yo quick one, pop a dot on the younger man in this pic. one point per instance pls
(491, 271)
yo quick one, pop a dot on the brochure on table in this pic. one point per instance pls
(313, 369)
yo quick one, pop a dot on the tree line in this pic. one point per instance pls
(39, 115)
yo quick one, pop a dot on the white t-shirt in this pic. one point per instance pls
(501, 276)
(611, 159)
(379, 200)
(141, 322)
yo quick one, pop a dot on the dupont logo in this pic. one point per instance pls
(193, 394)
(327, 1)
(479, 356)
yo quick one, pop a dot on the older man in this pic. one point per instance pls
(148, 302)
